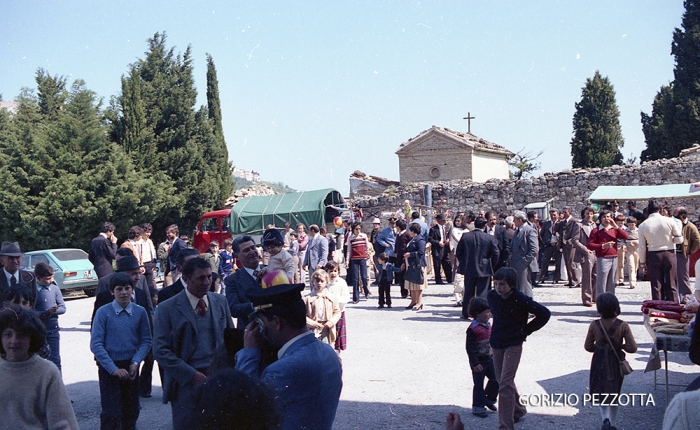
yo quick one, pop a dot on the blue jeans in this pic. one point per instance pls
(119, 399)
(481, 396)
(53, 338)
(359, 271)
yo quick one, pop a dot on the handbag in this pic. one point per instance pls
(414, 274)
(625, 368)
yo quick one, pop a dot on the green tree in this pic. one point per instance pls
(62, 177)
(155, 115)
(52, 93)
(213, 101)
(597, 134)
(523, 164)
(674, 123)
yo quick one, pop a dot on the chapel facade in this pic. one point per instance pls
(439, 153)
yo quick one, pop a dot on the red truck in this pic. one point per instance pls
(252, 215)
(212, 226)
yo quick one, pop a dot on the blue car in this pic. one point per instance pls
(73, 270)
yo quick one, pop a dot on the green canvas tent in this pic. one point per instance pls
(251, 215)
(623, 193)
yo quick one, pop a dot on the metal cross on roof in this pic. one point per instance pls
(469, 119)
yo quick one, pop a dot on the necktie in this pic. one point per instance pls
(13, 281)
(201, 308)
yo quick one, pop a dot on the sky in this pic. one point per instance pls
(314, 90)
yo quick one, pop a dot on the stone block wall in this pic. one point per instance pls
(452, 163)
(568, 188)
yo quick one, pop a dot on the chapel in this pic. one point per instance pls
(441, 154)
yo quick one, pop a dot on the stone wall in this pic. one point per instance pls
(446, 163)
(568, 188)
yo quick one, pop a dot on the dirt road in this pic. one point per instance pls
(405, 369)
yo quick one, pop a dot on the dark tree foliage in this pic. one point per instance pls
(62, 177)
(597, 134)
(66, 165)
(674, 123)
(154, 120)
(213, 97)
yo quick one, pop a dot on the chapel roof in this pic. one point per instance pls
(465, 138)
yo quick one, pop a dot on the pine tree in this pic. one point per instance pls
(674, 123)
(62, 177)
(155, 115)
(597, 134)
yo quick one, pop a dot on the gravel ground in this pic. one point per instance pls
(405, 369)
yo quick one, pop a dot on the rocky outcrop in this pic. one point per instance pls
(367, 185)
(259, 189)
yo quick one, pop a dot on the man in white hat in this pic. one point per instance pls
(11, 258)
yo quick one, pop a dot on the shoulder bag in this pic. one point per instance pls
(625, 368)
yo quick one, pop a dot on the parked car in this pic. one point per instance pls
(73, 270)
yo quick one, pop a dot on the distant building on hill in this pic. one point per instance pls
(439, 153)
(10, 105)
(248, 175)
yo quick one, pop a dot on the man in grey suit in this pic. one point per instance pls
(586, 257)
(524, 249)
(316, 251)
(188, 330)
(569, 229)
(243, 280)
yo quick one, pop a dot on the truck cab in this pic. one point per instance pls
(213, 225)
(542, 209)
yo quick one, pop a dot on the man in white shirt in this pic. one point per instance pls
(658, 236)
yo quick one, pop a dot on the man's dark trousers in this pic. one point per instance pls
(474, 287)
(547, 254)
(442, 259)
(119, 399)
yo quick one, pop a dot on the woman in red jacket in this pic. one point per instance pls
(604, 241)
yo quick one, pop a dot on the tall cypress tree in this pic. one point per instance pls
(213, 97)
(674, 123)
(215, 151)
(597, 134)
(160, 90)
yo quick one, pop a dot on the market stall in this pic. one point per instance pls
(667, 323)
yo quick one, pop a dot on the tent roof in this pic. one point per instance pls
(607, 193)
(253, 214)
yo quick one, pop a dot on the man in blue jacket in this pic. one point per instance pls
(307, 377)
(387, 239)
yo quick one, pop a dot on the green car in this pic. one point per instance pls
(73, 270)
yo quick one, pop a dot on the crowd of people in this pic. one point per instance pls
(246, 313)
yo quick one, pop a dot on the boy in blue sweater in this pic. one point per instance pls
(121, 338)
(510, 309)
(49, 304)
